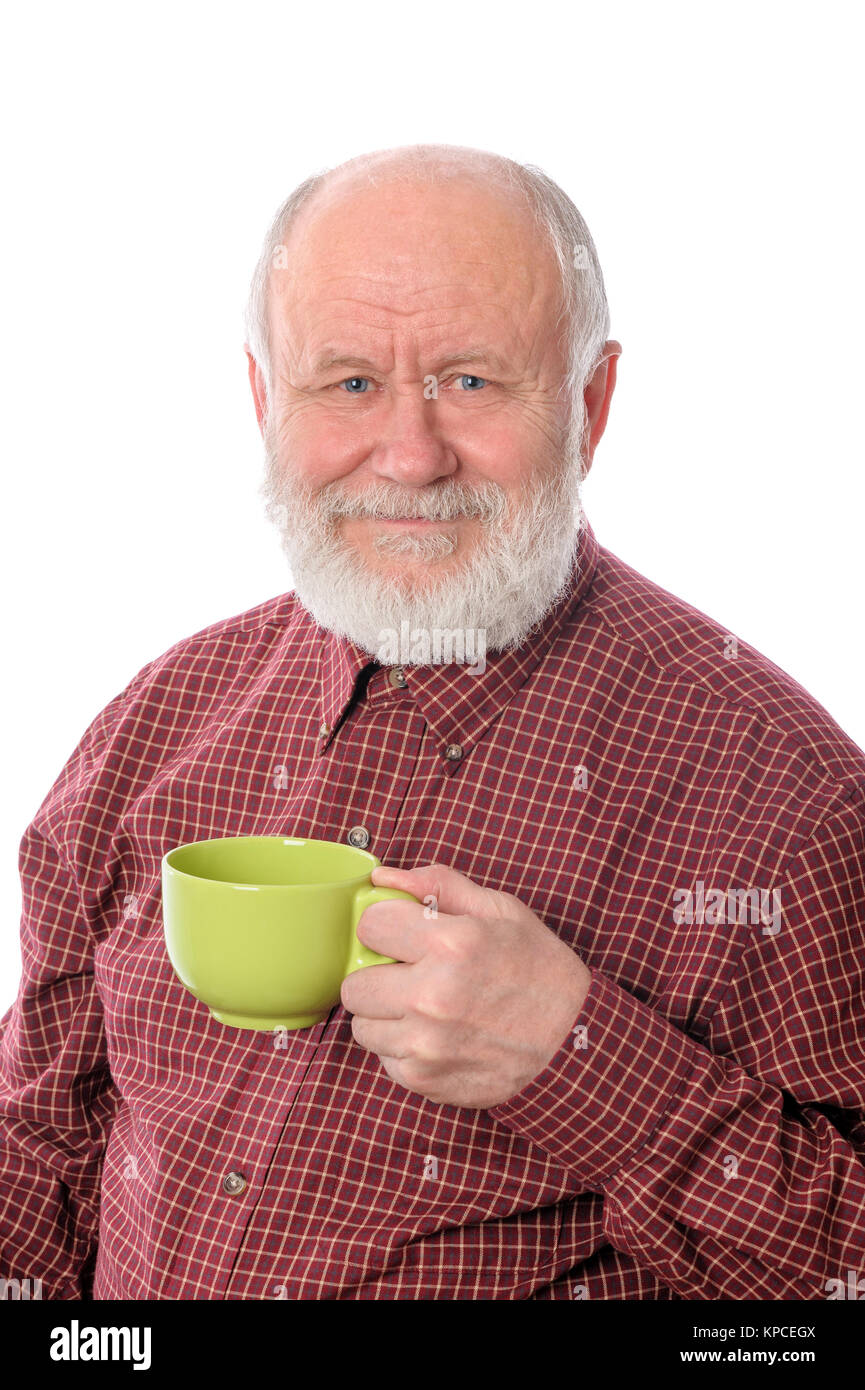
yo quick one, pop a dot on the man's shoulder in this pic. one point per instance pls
(232, 646)
(191, 686)
(693, 660)
(188, 687)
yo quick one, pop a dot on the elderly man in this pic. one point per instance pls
(621, 1053)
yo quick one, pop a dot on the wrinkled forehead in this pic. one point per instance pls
(404, 250)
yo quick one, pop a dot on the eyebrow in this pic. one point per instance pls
(328, 359)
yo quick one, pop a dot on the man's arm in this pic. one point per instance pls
(57, 1097)
(733, 1165)
(742, 1175)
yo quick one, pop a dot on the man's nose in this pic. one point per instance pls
(411, 447)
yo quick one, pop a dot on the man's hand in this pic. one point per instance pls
(484, 999)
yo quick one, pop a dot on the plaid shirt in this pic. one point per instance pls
(676, 808)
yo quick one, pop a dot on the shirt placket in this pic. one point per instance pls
(364, 771)
(237, 1168)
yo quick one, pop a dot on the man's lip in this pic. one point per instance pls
(413, 520)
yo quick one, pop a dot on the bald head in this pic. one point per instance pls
(420, 164)
(412, 200)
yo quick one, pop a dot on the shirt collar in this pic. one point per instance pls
(458, 702)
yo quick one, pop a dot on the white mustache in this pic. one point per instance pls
(487, 505)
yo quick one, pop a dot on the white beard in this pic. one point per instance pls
(513, 575)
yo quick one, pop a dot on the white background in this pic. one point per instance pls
(715, 152)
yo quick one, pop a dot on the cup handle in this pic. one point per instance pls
(360, 955)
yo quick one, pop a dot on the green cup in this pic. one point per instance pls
(263, 929)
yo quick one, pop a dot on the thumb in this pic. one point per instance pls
(445, 890)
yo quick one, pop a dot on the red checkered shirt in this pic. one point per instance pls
(700, 1132)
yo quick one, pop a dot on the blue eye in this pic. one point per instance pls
(362, 382)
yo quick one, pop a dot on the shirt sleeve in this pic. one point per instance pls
(57, 1097)
(732, 1166)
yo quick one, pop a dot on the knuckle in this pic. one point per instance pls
(424, 1045)
(453, 943)
(443, 999)
(420, 1073)
(433, 1002)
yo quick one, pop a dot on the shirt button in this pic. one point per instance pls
(454, 752)
(359, 837)
(396, 676)
(324, 731)
(233, 1183)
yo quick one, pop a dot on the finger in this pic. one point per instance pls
(384, 1037)
(440, 889)
(395, 928)
(377, 991)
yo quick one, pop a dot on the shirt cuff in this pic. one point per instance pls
(608, 1087)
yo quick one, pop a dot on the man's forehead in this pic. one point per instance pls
(374, 329)
(411, 261)
(323, 360)
(398, 239)
(413, 298)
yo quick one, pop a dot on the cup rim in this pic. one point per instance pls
(277, 887)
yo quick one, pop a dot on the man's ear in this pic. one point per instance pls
(259, 389)
(597, 396)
